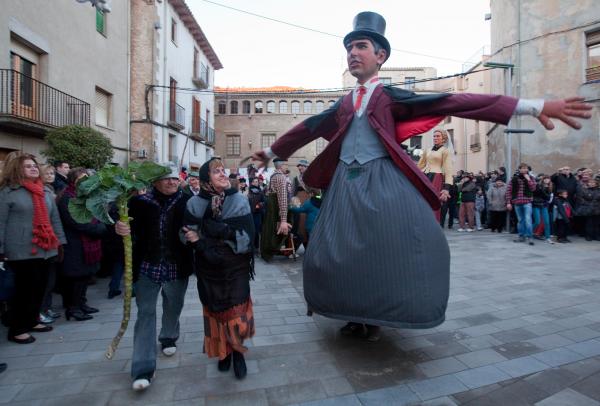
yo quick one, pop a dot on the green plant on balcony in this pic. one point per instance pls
(79, 146)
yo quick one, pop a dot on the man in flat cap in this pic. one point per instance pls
(276, 226)
(377, 255)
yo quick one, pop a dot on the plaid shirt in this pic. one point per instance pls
(520, 198)
(281, 185)
(164, 271)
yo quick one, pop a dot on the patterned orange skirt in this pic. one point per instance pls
(226, 331)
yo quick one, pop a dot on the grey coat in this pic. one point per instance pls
(496, 197)
(16, 229)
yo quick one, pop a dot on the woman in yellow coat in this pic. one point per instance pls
(436, 163)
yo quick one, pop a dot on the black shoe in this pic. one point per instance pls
(113, 293)
(88, 309)
(239, 365)
(353, 329)
(43, 329)
(2, 367)
(27, 340)
(224, 364)
(77, 314)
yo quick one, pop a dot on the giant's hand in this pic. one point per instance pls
(565, 110)
(261, 157)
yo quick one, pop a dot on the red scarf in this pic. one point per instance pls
(43, 234)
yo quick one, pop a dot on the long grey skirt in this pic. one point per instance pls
(377, 255)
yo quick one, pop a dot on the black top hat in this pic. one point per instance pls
(371, 25)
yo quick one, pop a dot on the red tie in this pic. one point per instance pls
(361, 92)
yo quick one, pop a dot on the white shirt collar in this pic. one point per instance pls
(370, 84)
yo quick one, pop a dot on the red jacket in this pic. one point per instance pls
(387, 107)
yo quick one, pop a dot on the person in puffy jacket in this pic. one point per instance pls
(497, 205)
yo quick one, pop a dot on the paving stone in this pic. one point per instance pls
(51, 389)
(473, 394)
(477, 377)
(480, 343)
(87, 399)
(395, 395)
(479, 358)
(584, 368)
(513, 335)
(445, 350)
(558, 356)
(590, 386)
(441, 366)
(550, 341)
(436, 387)
(348, 400)
(337, 386)
(443, 401)
(250, 398)
(8, 392)
(553, 380)
(567, 397)
(521, 366)
(296, 393)
(588, 348)
(516, 349)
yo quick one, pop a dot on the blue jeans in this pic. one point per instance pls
(524, 227)
(541, 213)
(144, 334)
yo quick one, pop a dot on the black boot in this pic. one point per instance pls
(224, 364)
(239, 365)
(77, 314)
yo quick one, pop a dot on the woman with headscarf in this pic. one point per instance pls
(436, 163)
(220, 227)
(30, 237)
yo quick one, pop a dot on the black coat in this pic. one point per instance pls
(568, 183)
(541, 196)
(74, 264)
(148, 244)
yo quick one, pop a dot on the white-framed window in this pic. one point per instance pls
(246, 107)
(222, 107)
(258, 107)
(233, 145)
(267, 139)
(307, 107)
(295, 107)
(233, 107)
(283, 107)
(409, 82)
(270, 106)
(103, 107)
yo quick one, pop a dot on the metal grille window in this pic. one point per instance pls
(233, 107)
(266, 140)
(295, 107)
(270, 106)
(283, 107)
(100, 21)
(233, 145)
(246, 107)
(102, 108)
(222, 107)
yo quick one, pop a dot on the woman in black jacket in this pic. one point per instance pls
(542, 196)
(82, 254)
(219, 224)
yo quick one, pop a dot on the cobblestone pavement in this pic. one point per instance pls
(523, 328)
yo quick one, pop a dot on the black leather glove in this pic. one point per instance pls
(217, 229)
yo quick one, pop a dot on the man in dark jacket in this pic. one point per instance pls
(161, 263)
(60, 180)
(565, 180)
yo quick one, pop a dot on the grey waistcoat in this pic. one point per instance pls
(361, 142)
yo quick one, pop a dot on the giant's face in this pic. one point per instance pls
(363, 63)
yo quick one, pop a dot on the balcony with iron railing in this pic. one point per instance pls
(176, 116)
(202, 132)
(200, 78)
(29, 105)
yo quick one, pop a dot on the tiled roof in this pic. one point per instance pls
(271, 89)
(191, 24)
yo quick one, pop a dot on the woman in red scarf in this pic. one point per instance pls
(30, 235)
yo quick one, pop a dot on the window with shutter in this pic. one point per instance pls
(592, 41)
(102, 108)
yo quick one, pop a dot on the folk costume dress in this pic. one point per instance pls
(436, 163)
(224, 264)
(377, 254)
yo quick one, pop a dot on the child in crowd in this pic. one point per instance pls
(311, 208)
(479, 207)
(562, 213)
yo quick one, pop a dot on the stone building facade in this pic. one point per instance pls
(249, 119)
(555, 47)
(63, 63)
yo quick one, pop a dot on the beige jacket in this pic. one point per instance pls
(437, 162)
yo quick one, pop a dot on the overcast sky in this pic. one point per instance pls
(256, 52)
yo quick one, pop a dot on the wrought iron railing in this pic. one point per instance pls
(26, 98)
(176, 115)
(211, 136)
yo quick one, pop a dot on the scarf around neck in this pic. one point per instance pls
(43, 234)
(216, 198)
